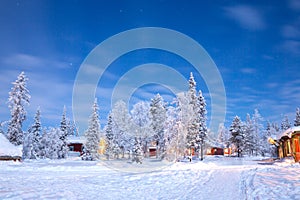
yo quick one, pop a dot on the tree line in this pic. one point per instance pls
(175, 129)
(171, 128)
(250, 137)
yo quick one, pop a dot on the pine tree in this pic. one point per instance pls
(201, 118)
(158, 119)
(297, 119)
(32, 148)
(193, 125)
(63, 151)
(236, 134)
(285, 124)
(109, 136)
(18, 98)
(92, 135)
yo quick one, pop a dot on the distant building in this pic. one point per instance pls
(75, 145)
(215, 151)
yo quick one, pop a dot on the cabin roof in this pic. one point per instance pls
(8, 149)
(289, 132)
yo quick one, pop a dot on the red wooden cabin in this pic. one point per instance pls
(288, 143)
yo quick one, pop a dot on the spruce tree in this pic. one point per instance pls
(193, 124)
(18, 98)
(63, 150)
(109, 137)
(236, 134)
(32, 148)
(92, 134)
(297, 119)
(201, 118)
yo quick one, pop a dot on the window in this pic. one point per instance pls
(71, 148)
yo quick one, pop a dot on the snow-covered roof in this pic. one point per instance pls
(75, 139)
(288, 132)
(8, 149)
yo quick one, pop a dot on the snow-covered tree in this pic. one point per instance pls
(137, 151)
(258, 132)
(121, 128)
(18, 98)
(285, 124)
(194, 123)
(177, 144)
(109, 137)
(158, 118)
(249, 140)
(92, 134)
(201, 118)
(32, 148)
(223, 135)
(236, 134)
(140, 114)
(51, 143)
(1, 130)
(297, 118)
(27, 146)
(64, 128)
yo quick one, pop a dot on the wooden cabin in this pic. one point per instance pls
(75, 144)
(288, 143)
(8, 151)
(215, 151)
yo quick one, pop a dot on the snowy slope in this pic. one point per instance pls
(8, 149)
(215, 178)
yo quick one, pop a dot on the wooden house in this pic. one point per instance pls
(215, 151)
(8, 151)
(75, 145)
(288, 143)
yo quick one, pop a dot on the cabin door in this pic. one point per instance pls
(296, 148)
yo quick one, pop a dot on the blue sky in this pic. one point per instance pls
(254, 44)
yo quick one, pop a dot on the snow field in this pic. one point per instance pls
(214, 178)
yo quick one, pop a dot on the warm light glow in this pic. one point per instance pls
(272, 141)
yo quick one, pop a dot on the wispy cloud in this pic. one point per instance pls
(294, 4)
(246, 16)
(291, 31)
(28, 62)
(291, 46)
(47, 90)
(248, 70)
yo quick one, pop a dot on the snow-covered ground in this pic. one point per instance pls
(214, 178)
